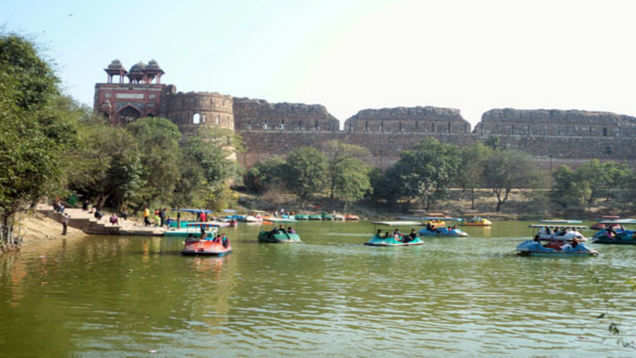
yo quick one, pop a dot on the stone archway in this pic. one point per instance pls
(129, 114)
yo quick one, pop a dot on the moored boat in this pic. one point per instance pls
(351, 217)
(615, 233)
(396, 238)
(301, 217)
(191, 231)
(214, 247)
(476, 221)
(276, 236)
(315, 217)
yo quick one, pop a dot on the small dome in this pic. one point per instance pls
(138, 67)
(153, 65)
(116, 65)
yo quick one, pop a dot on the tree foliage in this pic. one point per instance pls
(306, 172)
(506, 170)
(35, 129)
(427, 171)
(265, 174)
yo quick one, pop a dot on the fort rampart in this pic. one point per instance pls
(270, 129)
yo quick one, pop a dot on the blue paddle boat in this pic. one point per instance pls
(396, 238)
(430, 230)
(562, 241)
(615, 233)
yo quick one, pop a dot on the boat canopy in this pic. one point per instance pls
(195, 211)
(618, 222)
(397, 223)
(445, 218)
(562, 221)
(539, 226)
(229, 210)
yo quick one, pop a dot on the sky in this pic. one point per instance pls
(350, 55)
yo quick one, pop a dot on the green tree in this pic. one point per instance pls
(351, 180)
(35, 130)
(473, 164)
(343, 159)
(106, 164)
(384, 186)
(570, 189)
(158, 143)
(506, 170)
(427, 171)
(263, 175)
(306, 172)
(207, 167)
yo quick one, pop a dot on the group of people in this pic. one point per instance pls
(158, 217)
(433, 228)
(282, 230)
(397, 235)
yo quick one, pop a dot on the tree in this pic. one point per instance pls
(351, 180)
(339, 158)
(263, 175)
(473, 164)
(158, 142)
(427, 171)
(306, 172)
(106, 164)
(34, 127)
(570, 189)
(506, 170)
(207, 167)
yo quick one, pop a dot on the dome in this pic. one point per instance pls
(138, 67)
(153, 67)
(115, 66)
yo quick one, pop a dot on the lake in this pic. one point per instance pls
(328, 296)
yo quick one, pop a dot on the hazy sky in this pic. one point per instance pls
(351, 55)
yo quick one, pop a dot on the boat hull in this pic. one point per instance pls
(266, 236)
(205, 248)
(442, 232)
(391, 241)
(534, 248)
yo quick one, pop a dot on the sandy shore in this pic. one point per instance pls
(38, 231)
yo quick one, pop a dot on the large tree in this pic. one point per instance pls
(344, 161)
(158, 141)
(306, 172)
(34, 126)
(508, 169)
(426, 171)
(473, 164)
(107, 164)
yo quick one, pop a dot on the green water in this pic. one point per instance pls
(328, 296)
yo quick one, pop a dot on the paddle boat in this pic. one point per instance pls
(602, 223)
(351, 217)
(615, 233)
(339, 217)
(559, 230)
(434, 230)
(315, 217)
(210, 247)
(326, 216)
(277, 236)
(301, 217)
(561, 238)
(192, 229)
(395, 238)
(476, 221)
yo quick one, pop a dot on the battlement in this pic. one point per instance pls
(258, 114)
(408, 120)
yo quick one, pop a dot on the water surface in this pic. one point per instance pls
(328, 296)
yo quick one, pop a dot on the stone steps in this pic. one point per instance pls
(86, 222)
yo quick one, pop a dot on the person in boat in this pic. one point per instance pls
(537, 237)
(411, 236)
(203, 233)
(290, 230)
(396, 234)
(429, 227)
(379, 233)
(225, 241)
(548, 231)
(386, 235)
(113, 219)
(282, 229)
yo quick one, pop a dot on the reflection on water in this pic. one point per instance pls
(328, 296)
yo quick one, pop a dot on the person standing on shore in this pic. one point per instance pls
(146, 216)
(64, 224)
(162, 216)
